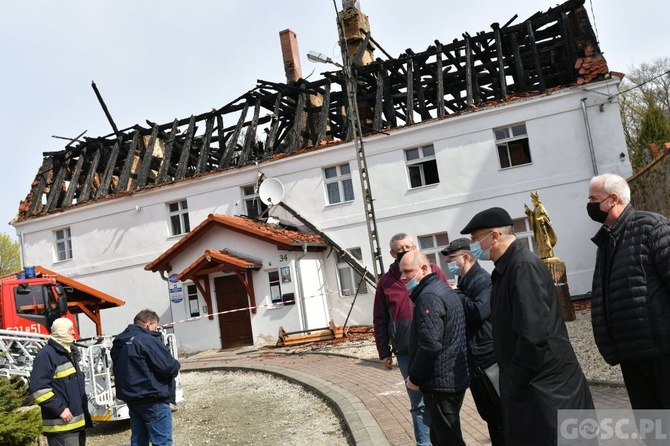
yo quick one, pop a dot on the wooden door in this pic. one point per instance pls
(235, 327)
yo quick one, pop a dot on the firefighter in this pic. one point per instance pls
(58, 386)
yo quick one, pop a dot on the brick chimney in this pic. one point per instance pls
(291, 55)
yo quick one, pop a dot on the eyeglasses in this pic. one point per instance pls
(473, 238)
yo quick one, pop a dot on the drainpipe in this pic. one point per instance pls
(167, 282)
(303, 315)
(589, 138)
(22, 250)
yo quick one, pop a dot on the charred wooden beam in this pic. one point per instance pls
(124, 178)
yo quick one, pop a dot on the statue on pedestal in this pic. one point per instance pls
(545, 237)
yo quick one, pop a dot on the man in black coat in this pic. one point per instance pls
(474, 284)
(438, 364)
(539, 372)
(630, 302)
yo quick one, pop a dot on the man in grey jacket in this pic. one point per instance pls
(630, 302)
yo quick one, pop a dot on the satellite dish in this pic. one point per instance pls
(271, 191)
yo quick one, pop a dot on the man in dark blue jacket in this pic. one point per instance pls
(474, 283)
(392, 319)
(58, 386)
(438, 362)
(144, 372)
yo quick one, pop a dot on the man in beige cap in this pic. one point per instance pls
(539, 372)
(57, 385)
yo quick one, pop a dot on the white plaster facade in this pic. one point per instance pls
(113, 239)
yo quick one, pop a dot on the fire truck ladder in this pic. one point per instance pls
(17, 352)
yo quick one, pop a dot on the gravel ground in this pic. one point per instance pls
(216, 410)
(240, 408)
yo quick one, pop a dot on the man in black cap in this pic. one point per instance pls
(539, 372)
(475, 286)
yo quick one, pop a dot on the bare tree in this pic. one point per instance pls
(644, 85)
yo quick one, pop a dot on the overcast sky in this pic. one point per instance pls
(167, 59)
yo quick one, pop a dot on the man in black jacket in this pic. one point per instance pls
(630, 302)
(539, 372)
(475, 286)
(438, 364)
(144, 372)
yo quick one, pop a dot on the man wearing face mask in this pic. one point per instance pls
(630, 301)
(392, 317)
(539, 372)
(438, 362)
(475, 286)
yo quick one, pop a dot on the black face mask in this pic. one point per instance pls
(596, 214)
(398, 256)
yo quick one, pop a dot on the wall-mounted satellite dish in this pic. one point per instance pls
(271, 191)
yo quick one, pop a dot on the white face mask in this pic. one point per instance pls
(413, 283)
(478, 252)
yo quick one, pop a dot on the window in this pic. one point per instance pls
(178, 215)
(513, 148)
(524, 233)
(431, 245)
(253, 206)
(193, 303)
(350, 279)
(421, 166)
(275, 286)
(63, 244)
(338, 184)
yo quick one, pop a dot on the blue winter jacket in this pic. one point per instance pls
(144, 369)
(57, 383)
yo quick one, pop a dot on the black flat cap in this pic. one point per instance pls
(460, 244)
(489, 218)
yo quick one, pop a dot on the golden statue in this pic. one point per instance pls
(545, 237)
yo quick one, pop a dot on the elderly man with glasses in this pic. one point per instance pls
(539, 372)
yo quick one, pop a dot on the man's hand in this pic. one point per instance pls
(388, 362)
(66, 416)
(410, 385)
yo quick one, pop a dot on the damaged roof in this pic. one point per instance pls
(547, 51)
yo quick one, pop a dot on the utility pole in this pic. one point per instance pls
(355, 123)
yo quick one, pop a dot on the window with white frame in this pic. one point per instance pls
(63, 244)
(513, 147)
(253, 206)
(431, 245)
(350, 279)
(524, 232)
(339, 187)
(421, 166)
(178, 218)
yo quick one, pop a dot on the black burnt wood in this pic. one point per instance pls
(145, 165)
(168, 143)
(74, 178)
(109, 169)
(184, 156)
(91, 174)
(124, 178)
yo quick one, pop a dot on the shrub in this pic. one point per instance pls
(18, 427)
